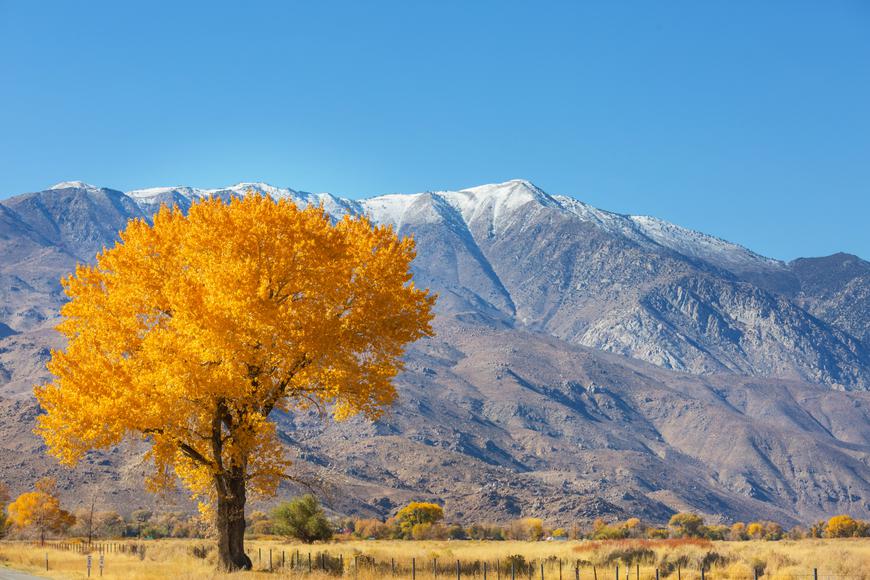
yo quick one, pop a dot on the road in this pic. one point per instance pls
(9, 574)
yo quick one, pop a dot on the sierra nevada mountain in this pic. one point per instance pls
(586, 363)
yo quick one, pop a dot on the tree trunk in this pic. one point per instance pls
(230, 521)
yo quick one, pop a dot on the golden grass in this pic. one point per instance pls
(784, 560)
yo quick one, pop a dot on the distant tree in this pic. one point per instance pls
(456, 532)
(4, 497)
(110, 524)
(773, 531)
(841, 526)
(687, 525)
(738, 532)
(260, 523)
(755, 530)
(416, 513)
(633, 527)
(40, 511)
(798, 533)
(303, 519)
(370, 528)
(716, 532)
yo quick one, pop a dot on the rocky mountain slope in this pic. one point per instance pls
(586, 363)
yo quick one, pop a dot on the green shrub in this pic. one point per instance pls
(302, 519)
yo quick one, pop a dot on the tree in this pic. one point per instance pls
(303, 519)
(192, 330)
(755, 530)
(687, 525)
(4, 497)
(40, 510)
(738, 532)
(842, 526)
(418, 513)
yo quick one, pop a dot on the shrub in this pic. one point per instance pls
(687, 525)
(303, 519)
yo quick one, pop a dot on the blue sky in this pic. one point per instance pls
(748, 120)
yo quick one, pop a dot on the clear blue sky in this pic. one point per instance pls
(749, 120)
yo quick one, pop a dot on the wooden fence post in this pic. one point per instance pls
(413, 568)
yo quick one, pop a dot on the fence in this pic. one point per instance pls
(515, 567)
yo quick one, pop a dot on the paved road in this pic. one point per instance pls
(9, 574)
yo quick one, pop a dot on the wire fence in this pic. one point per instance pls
(98, 555)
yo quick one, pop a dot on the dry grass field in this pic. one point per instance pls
(370, 560)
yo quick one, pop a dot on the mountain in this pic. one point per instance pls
(586, 363)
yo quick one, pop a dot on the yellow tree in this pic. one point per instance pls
(191, 331)
(418, 513)
(841, 526)
(40, 510)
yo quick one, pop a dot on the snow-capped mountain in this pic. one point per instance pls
(496, 203)
(585, 362)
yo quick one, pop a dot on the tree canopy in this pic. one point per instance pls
(192, 330)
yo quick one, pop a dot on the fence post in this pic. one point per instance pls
(513, 572)
(702, 571)
(457, 570)
(309, 562)
(638, 571)
(259, 555)
(435, 567)
(657, 574)
(413, 568)
(617, 572)
(815, 574)
(89, 565)
(270, 559)
(542, 570)
(484, 571)
(46, 561)
(755, 573)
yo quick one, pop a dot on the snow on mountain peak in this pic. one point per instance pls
(497, 204)
(74, 185)
(496, 201)
(699, 245)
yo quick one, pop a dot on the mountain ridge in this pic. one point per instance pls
(580, 368)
